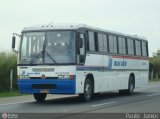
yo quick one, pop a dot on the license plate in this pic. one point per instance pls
(44, 91)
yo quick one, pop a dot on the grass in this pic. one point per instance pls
(154, 80)
(9, 94)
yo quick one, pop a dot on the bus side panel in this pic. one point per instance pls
(144, 75)
(93, 66)
(112, 72)
(80, 79)
(127, 65)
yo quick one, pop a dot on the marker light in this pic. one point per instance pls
(71, 77)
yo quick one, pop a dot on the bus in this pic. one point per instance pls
(79, 59)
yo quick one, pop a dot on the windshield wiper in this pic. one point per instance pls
(53, 60)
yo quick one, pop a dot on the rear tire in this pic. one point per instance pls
(88, 91)
(40, 97)
(130, 89)
(131, 86)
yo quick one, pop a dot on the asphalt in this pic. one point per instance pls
(145, 100)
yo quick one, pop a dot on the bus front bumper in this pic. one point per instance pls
(58, 86)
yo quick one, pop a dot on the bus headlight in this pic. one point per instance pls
(24, 77)
(71, 77)
(63, 76)
(60, 76)
(66, 76)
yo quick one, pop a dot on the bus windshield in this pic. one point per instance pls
(52, 47)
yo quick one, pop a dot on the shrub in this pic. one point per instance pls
(8, 61)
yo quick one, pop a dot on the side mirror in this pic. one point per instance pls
(13, 42)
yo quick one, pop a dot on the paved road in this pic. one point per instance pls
(145, 99)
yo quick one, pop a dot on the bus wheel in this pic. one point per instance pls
(40, 97)
(88, 89)
(131, 86)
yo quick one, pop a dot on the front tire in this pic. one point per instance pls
(88, 91)
(40, 97)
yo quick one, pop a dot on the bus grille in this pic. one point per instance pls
(45, 78)
(43, 86)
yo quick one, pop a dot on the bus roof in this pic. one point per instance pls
(61, 26)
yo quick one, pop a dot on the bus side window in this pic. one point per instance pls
(112, 44)
(138, 47)
(144, 48)
(130, 45)
(122, 45)
(82, 49)
(105, 43)
(96, 41)
(100, 42)
(91, 41)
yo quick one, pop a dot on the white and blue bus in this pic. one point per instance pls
(79, 59)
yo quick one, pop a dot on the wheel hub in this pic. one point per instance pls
(131, 88)
(88, 90)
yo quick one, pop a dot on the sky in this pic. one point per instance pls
(134, 17)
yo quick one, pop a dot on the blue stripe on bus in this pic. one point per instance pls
(63, 86)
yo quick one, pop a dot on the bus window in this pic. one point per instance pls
(112, 44)
(91, 41)
(100, 42)
(130, 46)
(144, 48)
(105, 43)
(138, 48)
(82, 50)
(96, 40)
(122, 45)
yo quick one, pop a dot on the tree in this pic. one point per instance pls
(155, 64)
